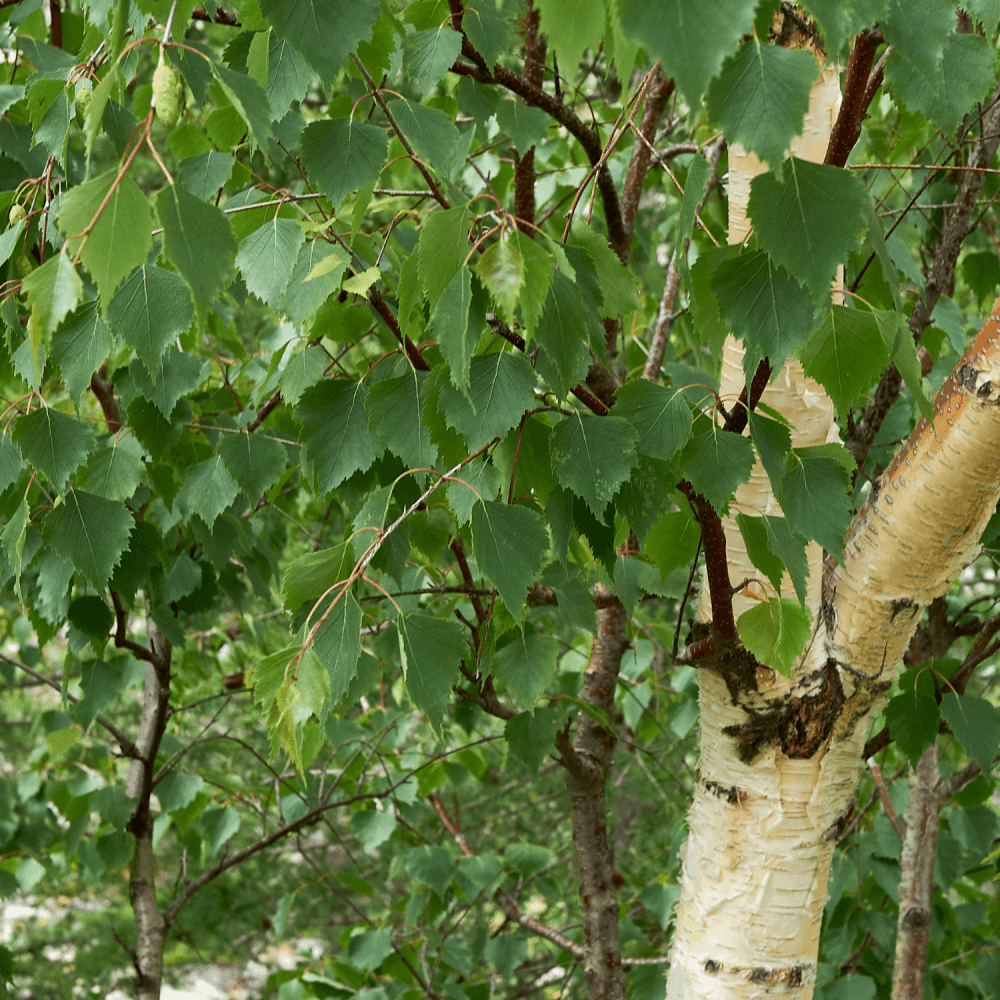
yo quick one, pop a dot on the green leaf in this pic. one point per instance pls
(619, 291)
(525, 125)
(53, 443)
(442, 246)
(433, 135)
(198, 241)
(177, 790)
(755, 536)
(288, 76)
(89, 532)
(181, 372)
(765, 307)
(510, 544)
(205, 174)
(776, 632)
(501, 391)
(716, 462)
(11, 462)
(337, 644)
(913, 714)
(761, 97)
(303, 369)
(592, 456)
(839, 19)
(12, 541)
(183, 579)
(429, 55)
(945, 90)
(528, 859)
(660, 901)
(808, 219)
(489, 28)
(312, 575)
(91, 616)
(207, 490)
(791, 550)
(220, 826)
(501, 270)
(773, 441)
(690, 42)
(341, 156)
(672, 542)
(976, 724)
(53, 290)
(479, 873)
(115, 470)
(324, 31)
(531, 735)
(266, 258)
(525, 666)
(903, 354)
(847, 354)
(80, 346)
(255, 461)
(482, 477)
(315, 276)
(432, 866)
(394, 408)
(563, 335)
(450, 322)
(9, 240)
(919, 35)
(251, 103)
(430, 649)
(336, 438)
(121, 236)
(814, 495)
(372, 828)
(660, 416)
(101, 683)
(149, 310)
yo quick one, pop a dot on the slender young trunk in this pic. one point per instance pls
(150, 927)
(586, 762)
(916, 880)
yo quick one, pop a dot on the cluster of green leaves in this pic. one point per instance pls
(322, 429)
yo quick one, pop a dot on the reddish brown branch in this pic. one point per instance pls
(524, 163)
(262, 414)
(412, 351)
(858, 94)
(104, 392)
(713, 539)
(122, 641)
(569, 119)
(221, 17)
(656, 101)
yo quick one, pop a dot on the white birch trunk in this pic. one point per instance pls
(762, 832)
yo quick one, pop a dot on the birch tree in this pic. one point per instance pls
(495, 490)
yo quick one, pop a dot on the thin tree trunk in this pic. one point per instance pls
(916, 880)
(150, 927)
(586, 762)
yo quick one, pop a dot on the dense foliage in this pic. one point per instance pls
(325, 327)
